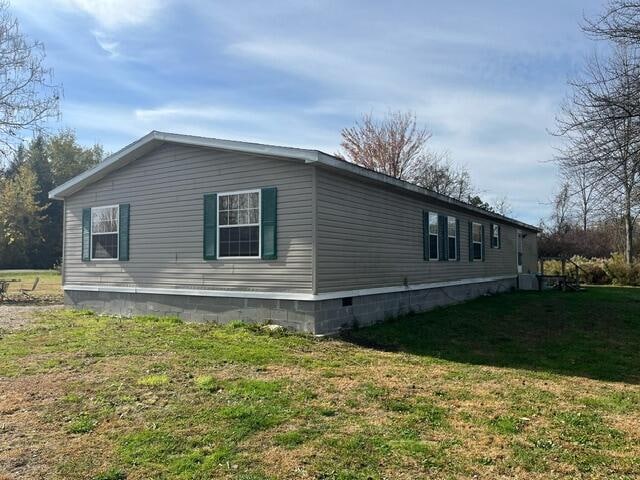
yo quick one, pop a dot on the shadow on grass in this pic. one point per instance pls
(593, 334)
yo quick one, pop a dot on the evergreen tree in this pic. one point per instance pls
(19, 159)
(21, 219)
(49, 161)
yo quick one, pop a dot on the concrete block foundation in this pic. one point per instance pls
(310, 316)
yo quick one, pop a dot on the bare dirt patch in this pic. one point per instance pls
(13, 317)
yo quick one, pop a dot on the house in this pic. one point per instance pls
(218, 230)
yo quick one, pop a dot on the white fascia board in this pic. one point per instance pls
(282, 295)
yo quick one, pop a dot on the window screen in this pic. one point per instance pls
(433, 236)
(452, 238)
(239, 224)
(477, 241)
(104, 232)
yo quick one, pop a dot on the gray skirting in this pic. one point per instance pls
(317, 316)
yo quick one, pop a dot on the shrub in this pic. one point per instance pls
(593, 271)
(599, 271)
(620, 272)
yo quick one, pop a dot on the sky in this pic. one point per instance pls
(486, 78)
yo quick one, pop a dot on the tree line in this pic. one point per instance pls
(596, 209)
(30, 224)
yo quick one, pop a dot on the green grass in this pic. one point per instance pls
(533, 385)
(588, 334)
(153, 380)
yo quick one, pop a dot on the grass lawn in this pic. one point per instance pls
(525, 385)
(48, 290)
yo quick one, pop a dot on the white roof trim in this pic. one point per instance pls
(154, 139)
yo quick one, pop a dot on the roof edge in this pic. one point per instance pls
(335, 162)
(308, 156)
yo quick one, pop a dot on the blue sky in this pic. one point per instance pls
(485, 77)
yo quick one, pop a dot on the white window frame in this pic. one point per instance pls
(117, 232)
(495, 234)
(454, 236)
(259, 224)
(437, 235)
(473, 241)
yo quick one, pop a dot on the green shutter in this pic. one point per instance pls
(86, 234)
(471, 241)
(209, 247)
(457, 240)
(425, 235)
(482, 240)
(269, 220)
(499, 236)
(442, 237)
(123, 230)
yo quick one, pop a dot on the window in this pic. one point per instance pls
(239, 224)
(477, 241)
(433, 236)
(495, 236)
(104, 233)
(452, 238)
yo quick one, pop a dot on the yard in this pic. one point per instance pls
(524, 385)
(47, 290)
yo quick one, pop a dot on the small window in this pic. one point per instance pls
(452, 238)
(239, 224)
(495, 236)
(433, 236)
(347, 301)
(104, 233)
(477, 241)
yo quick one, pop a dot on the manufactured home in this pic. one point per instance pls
(217, 230)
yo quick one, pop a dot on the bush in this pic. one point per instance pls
(620, 272)
(593, 271)
(598, 271)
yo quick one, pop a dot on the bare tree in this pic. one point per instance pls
(584, 192)
(561, 204)
(620, 22)
(601, 126)
(502, 206)
(28, 96)
(437, 172)
(394, 146)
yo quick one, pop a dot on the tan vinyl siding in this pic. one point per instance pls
(165, 189)
(530, 254)
(371, 236)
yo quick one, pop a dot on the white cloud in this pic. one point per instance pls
(106, 43)
(164, 113)
(112, 14)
